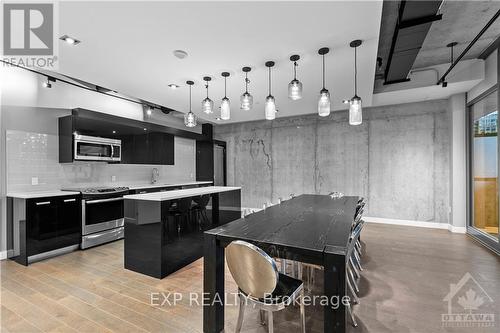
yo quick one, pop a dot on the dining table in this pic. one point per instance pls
(309, 228)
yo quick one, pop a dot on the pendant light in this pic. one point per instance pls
(190, 117)
(295, 86)
(225, 106)
(207, 105)
(324, 95)
(246, 100)
(270, 107)
(355, 109)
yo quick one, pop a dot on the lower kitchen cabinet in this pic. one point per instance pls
(41, 225)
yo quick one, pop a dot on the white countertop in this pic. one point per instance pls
(177, 194)
(143, 186)
(40, 194)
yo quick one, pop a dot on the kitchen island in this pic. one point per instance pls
(158, 241)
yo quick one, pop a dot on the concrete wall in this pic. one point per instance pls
(398, 159)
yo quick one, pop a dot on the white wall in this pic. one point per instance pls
(458, 171)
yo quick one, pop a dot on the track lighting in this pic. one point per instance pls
(225, 106)
(270, 107)
(207, 105)
(246, 100)
(190, 117)
(324, 94)
(355, 108)
(295, 86)
(47, 84)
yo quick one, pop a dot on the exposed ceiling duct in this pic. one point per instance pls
(414, 21)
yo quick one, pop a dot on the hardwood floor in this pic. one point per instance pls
(407, 273)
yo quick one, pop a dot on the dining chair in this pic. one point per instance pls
(260, 284)
(200, 209)
(180, 212)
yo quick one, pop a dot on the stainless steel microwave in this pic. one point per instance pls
(91, 148)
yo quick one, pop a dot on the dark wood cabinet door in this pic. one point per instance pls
(41, 225)
(69, 221)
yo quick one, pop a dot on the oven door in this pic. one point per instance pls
(102, 214)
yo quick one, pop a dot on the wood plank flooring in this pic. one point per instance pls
(407, 273)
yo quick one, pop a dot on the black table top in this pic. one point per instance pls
(312, 223)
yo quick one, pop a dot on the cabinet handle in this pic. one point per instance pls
(70, 200)
(43, 203)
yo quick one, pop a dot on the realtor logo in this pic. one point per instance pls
(469, 305)
(29, 34)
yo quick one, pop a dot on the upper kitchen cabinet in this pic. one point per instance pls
(114, 139)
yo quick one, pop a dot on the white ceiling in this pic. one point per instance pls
(127, 47)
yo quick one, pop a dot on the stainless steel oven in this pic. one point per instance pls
(91, 148)
(102, 215)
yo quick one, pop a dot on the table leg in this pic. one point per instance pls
(213, 285)
(335, 290)
(215, 209)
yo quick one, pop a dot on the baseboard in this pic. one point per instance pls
(3, 255)
(419, 224)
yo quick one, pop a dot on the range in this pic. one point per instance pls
(102, 214)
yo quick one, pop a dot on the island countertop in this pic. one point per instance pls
(177, 194)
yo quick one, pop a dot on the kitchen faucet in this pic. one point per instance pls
(155, 176)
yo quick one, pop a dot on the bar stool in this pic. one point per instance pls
(181, 212)
(200, 209)
(260, 284)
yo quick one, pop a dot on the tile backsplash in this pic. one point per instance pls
(35, 156)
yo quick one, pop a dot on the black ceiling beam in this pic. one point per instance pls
(414, 21)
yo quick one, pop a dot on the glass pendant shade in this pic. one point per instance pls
(355, 111)
(270, 108)
(225, 109)
(324, 103)
(295, 90)
(190, 119)
(246, 101)
(207, 106)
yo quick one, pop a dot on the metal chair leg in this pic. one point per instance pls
(349, 309)
(262, 315)
(353, 280)
(354, 268)
(357, 259)
(270, 325)
(240, 315)
(351, 289)
(302, 312)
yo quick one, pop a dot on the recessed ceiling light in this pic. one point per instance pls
(181, 54)
(173, 86)
(145, 129)
(114, 132)
(70, 40)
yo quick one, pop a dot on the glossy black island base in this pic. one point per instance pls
(156, 243)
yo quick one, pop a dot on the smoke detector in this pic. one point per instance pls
(181, 54)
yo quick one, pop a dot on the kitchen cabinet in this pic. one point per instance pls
(148, 148)
(43, 225)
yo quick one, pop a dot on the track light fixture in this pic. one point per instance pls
(295, 86)
(225, 106)
(355, 108)
(47, 83)
(190, 117)
(270, 107)
(324, 94)
(246, 100)
(207, 105)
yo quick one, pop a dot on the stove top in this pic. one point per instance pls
(98, 190)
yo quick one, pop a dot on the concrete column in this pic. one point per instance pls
(458, 170)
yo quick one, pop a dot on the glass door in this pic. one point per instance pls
(484, 184)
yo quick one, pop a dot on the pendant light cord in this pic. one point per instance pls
(355, 71)
(189, 98)
(323, 71)
(206, 86)
(225, 87)
(246, 82)
(269, 81)
(295, 70)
